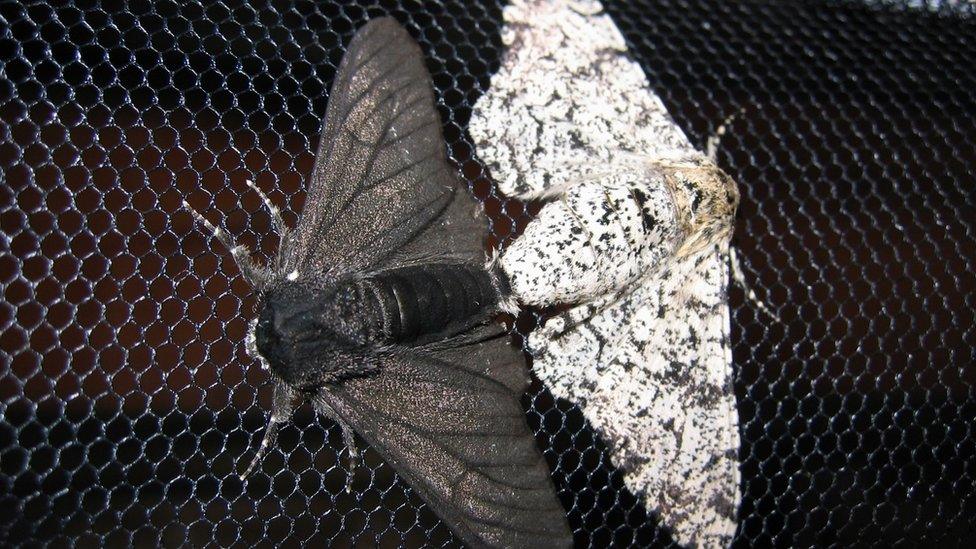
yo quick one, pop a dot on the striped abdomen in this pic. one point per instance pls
(429, 302)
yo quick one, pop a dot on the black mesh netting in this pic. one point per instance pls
(129, 402)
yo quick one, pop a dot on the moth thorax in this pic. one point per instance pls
(298, 328)
(354, 312)
(430, 302)
(705, 200)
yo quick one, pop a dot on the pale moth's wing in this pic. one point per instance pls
(650, 371)
(566, 103)
(646, 353)
(450, 421)
(648, 361)
(381, 175)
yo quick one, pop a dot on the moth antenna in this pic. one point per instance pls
(740, 278)
(713, 141)
(276, 219)
(669, 158)
(253, 273)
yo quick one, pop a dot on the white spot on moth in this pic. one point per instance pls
(636, 236)
(292, 276)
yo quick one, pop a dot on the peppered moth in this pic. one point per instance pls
(636, 237)
(377, 308)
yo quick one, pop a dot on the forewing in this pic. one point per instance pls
(381, 175)
(566, 101)
(455, 235)
(450, 422)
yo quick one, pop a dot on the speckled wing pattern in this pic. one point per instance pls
(637, 238)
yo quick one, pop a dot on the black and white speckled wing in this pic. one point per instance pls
(650, 371)
(648, 359)
(450, 421)
(602, 236)
(638, 240)
(381, 176)
(573, 104)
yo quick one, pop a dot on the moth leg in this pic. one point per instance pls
(253, 273)
(349, 441)
(348, 437)
(281, 410)
(270, 435)
(740, 278)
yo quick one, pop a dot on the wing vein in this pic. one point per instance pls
(351, 105)
(360, 189)
(390, 95)
(385, 232)
(370, 164)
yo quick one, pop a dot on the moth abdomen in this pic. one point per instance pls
(428, 302)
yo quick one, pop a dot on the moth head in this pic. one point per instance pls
(305, 336)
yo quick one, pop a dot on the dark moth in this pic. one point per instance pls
(378, 307)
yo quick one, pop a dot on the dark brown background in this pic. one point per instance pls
(127, 398)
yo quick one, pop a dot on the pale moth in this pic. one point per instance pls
(636, 236)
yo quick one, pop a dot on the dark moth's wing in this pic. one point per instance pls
(381, 176)
(450, 422)
(382, 194)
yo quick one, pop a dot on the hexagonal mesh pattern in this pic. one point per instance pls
(128, 400)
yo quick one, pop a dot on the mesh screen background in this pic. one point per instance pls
(128, 401)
